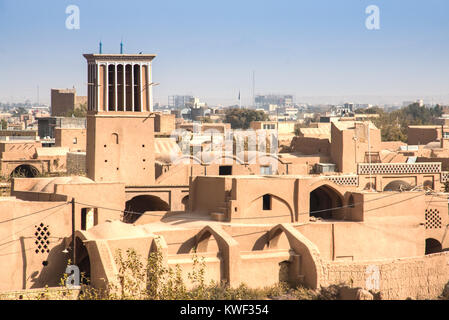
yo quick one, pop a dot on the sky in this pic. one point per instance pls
(317, 50)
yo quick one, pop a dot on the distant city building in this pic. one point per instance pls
(272, 107)
(279, 100)
(290, 112)
(178, 102)
(47, 125)
(363, 106)
(195, 103)
(342, 110)
(349, 106)
(420, 102)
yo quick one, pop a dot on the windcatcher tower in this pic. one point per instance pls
(120, 123)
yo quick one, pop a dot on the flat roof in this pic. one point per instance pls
(425, 126)
(119, 57)
(285, 177)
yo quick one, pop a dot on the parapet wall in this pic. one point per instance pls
(76, 163)
(308, 145)
(417, 278)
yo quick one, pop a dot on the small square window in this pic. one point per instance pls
(225, 170)
(265, 170)
(266, 202)
(75, 140)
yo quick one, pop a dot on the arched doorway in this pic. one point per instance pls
(25, 171)
(433, 246)
(398, 185)
(138, 205)
(325, 203)
(185, 203)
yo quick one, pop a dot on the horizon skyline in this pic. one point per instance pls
(318, 51)
(313, 101)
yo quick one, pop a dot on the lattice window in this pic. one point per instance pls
(345, 180)
(42, 239)
(399, 168)
(444, 176)
(433, 219)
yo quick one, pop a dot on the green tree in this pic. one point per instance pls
(241, 118)
(80, 112)
(394, 125)
(19, 111)
(206, 120)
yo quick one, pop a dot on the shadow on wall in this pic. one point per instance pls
(325, 203)
(433, 246)
(398, 185)
(135, 207)
(53, 268)
(25, 170)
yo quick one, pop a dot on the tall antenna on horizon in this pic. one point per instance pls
(254, 89)
(121, 46)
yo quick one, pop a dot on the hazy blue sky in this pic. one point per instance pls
(209, 48)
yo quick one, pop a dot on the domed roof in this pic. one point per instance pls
(48, 185)
(433, 145)
(115, 229)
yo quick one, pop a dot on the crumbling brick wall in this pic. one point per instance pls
(416, 278)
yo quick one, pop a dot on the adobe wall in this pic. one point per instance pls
(215, 194)
(289, 197)
(247, 204)
(62, 101)
(437, 219)
(8, 166)
(91, 195)
(421, 277)
(380, 181)
(179, 174)
(164, 123)
(423, 135)
(444, 161)
(22, 184)
(76, 163)
(172, 195)
(336, 148)
(120, 147)
(303, 165)
(56, 163)
(74, 139)
(398, 232)
(19, 150)
(310, 146)
(21, 257)
(346, 151)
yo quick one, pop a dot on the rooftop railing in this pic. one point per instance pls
(399, 168)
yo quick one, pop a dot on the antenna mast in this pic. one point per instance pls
(254, 89)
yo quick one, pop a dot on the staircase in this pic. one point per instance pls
(222, 211)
